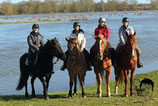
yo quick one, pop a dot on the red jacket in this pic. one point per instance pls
(103, 30)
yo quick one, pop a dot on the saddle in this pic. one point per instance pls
(34, 60)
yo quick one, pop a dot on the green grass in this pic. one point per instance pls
(60, 99)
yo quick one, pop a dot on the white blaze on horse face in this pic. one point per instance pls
(100, 49)
(133, 53)
(100, 42)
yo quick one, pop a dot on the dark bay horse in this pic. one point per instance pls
(102, 62)
(43, 67)
(76, 65)
(127, 62)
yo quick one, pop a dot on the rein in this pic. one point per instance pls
(56, 61)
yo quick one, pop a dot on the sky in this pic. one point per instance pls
(16, 1)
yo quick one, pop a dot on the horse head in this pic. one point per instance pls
(73, 48)
(101, 45)
(131, 43)
(53, 48)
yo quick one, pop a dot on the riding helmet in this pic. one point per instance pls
(125, 19)
(76, 24)
(35, 26)
(102, 19)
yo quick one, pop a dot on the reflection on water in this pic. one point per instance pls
(13, 44)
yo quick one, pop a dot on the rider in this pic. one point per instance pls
(122, 35)
(79, 33)
(35, 41)
(104, 30)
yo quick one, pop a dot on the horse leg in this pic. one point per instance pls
(99, 82)
(70, 84)
(45, 92)
(75, 86)
(26, 91)
(131, 82)
(81, 78)
(32, 85)
(47, 80)
(108, 73)
(126, 83)
(116, 80)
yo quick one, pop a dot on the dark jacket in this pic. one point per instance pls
(35, 41)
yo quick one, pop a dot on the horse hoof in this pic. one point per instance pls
(132, 94)
(108, 95)
(84, 96)
(75, 94)
(69, 96)
(26, 95)
(33, 96)
(115, 93)
(126, 95)
(46, 98)
(99, 95)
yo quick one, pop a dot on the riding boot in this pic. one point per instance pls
(30, 65)
(113, 58)
(87, 56)
(65, 62)
(139, 64)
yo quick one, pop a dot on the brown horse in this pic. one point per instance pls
(76, 65)
(102, 62)
(127, 62)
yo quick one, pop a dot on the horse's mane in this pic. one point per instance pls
(131, 38)
(73, 40)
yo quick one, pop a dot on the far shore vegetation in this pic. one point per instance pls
(72, 6)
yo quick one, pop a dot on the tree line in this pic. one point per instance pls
(65, 6)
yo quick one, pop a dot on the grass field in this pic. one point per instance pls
(60, 98)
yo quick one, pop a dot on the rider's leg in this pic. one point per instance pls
(65, 62)
(88, 57)
(112, 51)
(118, 53)
(31, 58)
(138, 51)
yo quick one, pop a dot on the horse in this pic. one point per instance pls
(127, 62)
(102, 61)
(42, 69)
(76, 65)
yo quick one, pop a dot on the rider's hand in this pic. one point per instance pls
(81, 49)
(37, 49)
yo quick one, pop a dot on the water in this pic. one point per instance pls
(13, 44)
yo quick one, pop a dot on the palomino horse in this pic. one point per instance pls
(76, 65)
(127, 62)
(102, 62)
(43, 67)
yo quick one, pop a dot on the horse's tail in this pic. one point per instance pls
(24, 72)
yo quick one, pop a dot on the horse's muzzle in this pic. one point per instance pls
(99, 57)
(63, 56)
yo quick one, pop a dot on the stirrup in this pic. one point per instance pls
(62, 68)
(139, 65)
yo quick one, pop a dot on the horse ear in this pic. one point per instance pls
(67, 39)
(48, 40)
(127, 33)
(55, 38)
(135, 33)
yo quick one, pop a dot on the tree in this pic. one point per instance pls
(154, 4)
(133, 4)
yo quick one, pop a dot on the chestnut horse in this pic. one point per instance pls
(76, 65)
(102, 62)
(127, 62)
